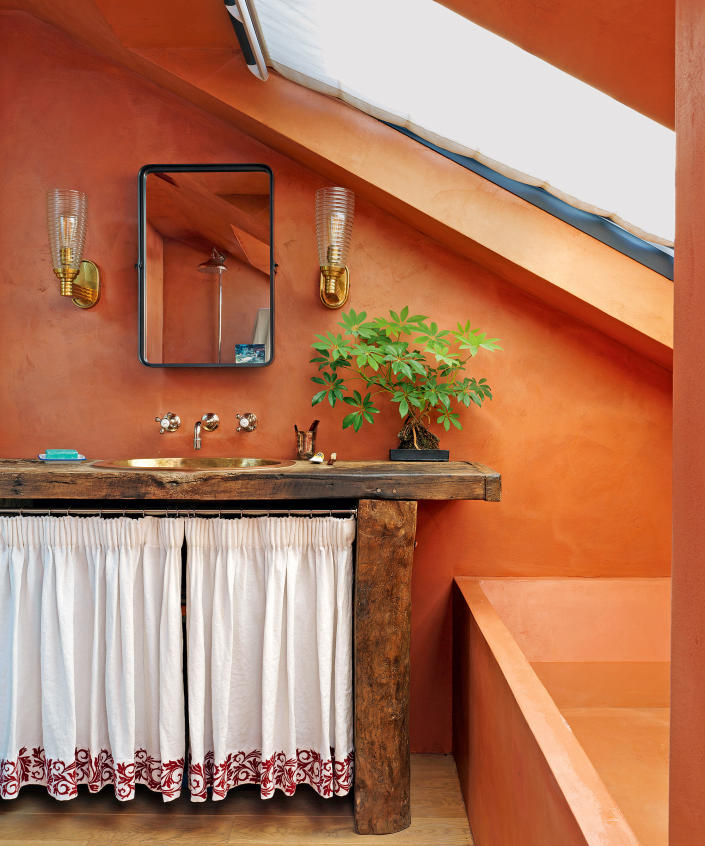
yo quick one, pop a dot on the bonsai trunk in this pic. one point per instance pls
(414, 435)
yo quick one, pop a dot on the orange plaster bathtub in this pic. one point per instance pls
(560, 710)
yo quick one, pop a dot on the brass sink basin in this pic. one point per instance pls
(190, 464)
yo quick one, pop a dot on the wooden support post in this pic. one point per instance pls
(385, 550)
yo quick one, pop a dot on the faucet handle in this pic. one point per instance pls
(247, 422)
(210, 421)
(169, 422)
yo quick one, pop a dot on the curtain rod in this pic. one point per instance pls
(183, 512)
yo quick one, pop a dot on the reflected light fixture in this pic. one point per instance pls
(335, 210)
(66, 218)
(216, 264)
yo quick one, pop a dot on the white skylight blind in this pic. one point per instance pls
(418, 64)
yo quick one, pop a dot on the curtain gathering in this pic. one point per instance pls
(270, 612)
(91, 655)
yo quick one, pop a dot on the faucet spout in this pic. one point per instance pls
(209, 422)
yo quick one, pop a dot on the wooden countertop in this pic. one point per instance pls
(441, 480)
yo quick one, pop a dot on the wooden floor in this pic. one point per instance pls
(437, 812)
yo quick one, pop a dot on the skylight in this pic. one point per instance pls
(417, 64)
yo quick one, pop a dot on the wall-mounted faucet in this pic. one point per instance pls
(209, 422)
(168, 422)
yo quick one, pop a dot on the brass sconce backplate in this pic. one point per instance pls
(85, 288)
(334, 286)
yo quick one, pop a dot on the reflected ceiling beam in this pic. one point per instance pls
(202, 221)
(247, 211)
(257, 253)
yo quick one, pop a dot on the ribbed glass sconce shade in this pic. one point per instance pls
(66, 218)
(335, 210)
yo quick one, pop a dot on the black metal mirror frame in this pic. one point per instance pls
(142, 260)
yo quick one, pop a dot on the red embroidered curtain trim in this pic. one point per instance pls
(31, 766)
(327, 776)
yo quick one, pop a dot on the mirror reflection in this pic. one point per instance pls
(206, 266)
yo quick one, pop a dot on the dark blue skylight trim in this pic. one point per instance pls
(655, 256)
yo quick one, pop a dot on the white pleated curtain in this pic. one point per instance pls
(91, 654)
(269, 646)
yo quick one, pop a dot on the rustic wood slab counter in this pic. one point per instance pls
(344, 480)
(384, 553)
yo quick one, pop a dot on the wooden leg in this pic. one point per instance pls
(385, 550)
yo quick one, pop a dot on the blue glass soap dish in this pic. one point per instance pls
(49, 459)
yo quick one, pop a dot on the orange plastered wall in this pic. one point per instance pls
(579, 428)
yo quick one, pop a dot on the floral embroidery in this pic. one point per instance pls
(63, 777)
(328, 776)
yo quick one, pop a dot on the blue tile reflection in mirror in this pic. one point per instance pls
(206, 265)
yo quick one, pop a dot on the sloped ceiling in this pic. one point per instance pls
(191, 50)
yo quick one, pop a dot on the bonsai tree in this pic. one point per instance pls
(418, 366)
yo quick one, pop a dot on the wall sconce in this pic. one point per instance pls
(335, 210)
(66, 217)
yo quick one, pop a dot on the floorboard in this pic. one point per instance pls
(34, 819)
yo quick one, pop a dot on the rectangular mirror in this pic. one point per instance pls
(206, 266)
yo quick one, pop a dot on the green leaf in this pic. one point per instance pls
(407, 357)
